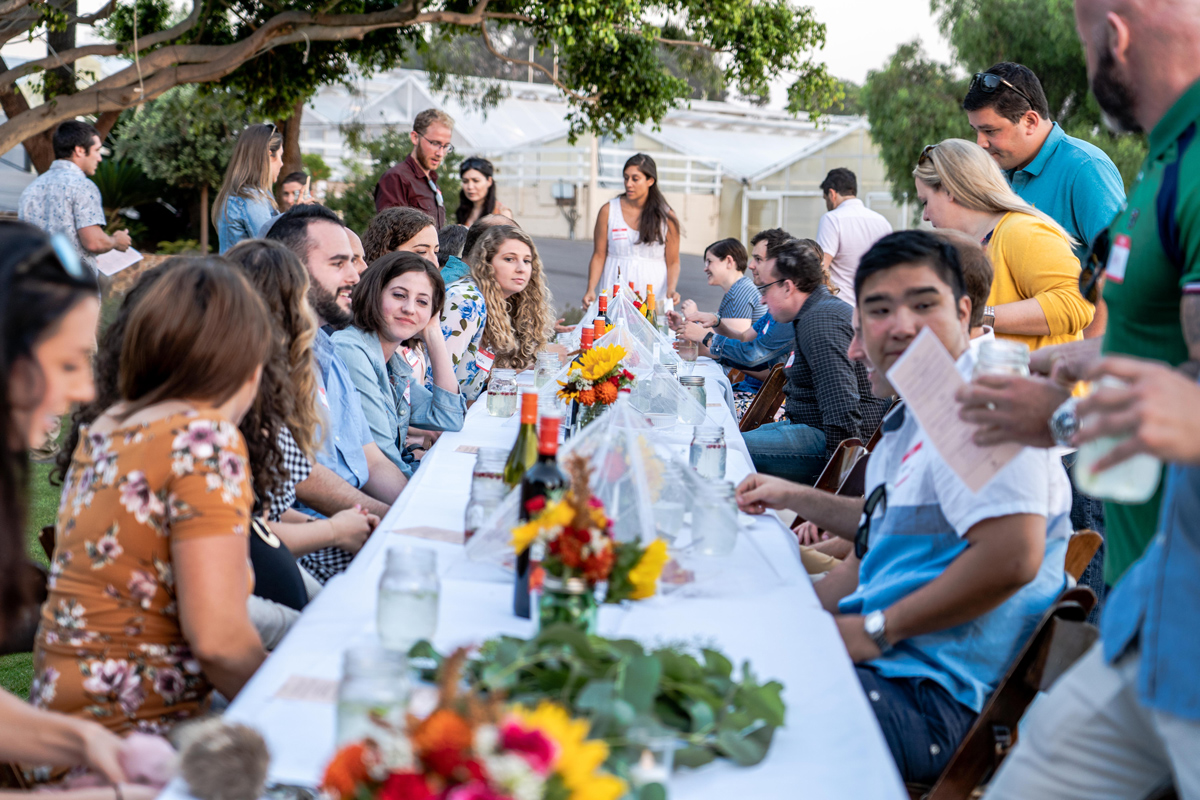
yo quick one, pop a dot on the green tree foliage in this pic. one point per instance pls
(911, 103)
(357, 203)
(316, 167)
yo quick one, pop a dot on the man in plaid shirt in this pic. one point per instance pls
(828, 396)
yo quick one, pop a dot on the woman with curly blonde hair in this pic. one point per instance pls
(499, 314)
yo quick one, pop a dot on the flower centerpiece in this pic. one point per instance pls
(595, 379)
(580, 554)
(475, 748)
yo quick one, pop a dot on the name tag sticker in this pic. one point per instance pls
(484, 360)
(791, 360)
(620, 234)
(408, 393)
(1118, 259)
(321, 394)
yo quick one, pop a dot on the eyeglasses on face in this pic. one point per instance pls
(762, 290)
(440, 147)
(989, 83)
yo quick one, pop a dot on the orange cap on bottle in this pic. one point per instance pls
(529, 408)
(585, 340)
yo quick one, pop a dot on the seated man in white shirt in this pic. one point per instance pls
(945, 584)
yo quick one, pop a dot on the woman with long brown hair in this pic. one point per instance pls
(147, 606)
(636, 239)
(500, 314)
(245, 202)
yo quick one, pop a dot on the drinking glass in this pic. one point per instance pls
(408, 597)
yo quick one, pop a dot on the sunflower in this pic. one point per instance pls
(644, 576)
(596, 363)
(580, 759)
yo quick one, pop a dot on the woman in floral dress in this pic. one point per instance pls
(148, 583)
(500, 314)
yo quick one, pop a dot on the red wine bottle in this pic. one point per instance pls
(546, 481)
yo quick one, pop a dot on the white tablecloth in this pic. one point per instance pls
(830, 746)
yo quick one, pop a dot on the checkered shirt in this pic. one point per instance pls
(298, 469)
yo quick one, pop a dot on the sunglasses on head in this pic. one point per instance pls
(989, 83)
(1094, 266)
(65, 256)
(926, 154)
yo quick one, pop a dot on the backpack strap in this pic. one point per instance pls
(1168, 196)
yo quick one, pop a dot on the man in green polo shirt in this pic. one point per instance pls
(1144, 67)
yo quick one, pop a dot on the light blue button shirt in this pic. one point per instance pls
(771, 346)
(391, 400)
(338, 400)
(242, 218)
(1154, 606)
(1073, 182)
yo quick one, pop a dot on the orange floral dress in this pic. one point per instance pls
(110, 647)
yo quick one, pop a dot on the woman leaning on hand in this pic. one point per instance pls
(48, 316)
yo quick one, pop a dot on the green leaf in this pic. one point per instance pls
(652, 791)
(641, 682)
(745, 751)
(694, 756)
(716, 663)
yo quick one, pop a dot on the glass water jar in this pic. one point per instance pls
(1002, 357)
(1132, 481)
(548, 365)
(714, 520)
(486, 497)
(570, 602)
(372, 694)
(707, 455)
(670, 505)
(408, 597)
(694, 384)
(502, 393)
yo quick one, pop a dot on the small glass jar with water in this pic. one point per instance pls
(714, 520)
(670, 505)
(502, 393)
(694, 384)
(1002, 357)
(707, 455)
(372, 694)
(1132, 481)
(486, 497)
(548, 365)
(408, 597)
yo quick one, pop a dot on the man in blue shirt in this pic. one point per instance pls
(1126, 719)
(947, 583)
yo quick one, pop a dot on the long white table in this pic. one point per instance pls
(830, 746)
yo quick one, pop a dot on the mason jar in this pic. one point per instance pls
(1002, 357)
(694, 384)
(707, 455)
(570, 602)
(372, 694)
(545, 369)
(502, 393)
(714, 519)
(408, 597)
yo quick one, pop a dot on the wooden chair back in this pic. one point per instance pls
(1059, 639)
(855, 482)
(845, 455)
(736, 376)
(878, 434)
(766, 402)
(1080, 550)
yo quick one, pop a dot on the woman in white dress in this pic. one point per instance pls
(636, 237)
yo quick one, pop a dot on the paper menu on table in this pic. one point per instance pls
(925, 376)
(114, 261)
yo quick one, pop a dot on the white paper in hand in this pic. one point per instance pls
(925, 376)
(114, 261)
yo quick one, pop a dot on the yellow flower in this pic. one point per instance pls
(555, 515)
(599, 361)
(566, 393)
(579, 758)
(644, 576)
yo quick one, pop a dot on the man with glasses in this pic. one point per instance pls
(413, 182)
(1071, 180)
(828, 397)
(945, 584)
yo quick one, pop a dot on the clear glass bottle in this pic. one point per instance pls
(1002, 357)
(694, 384)
(502, 393)
(1132, 481)
(707, 455)
(714, 520)
(408, 597)
(372, 694)
(546, 368)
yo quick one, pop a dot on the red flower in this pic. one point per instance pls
(532, 745)
(405, 786)
(581, 534)
(627, 375)
(475, 791)
(535, 505)
(453, 765)
(594, 502)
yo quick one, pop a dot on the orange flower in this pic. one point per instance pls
(441, 730)
(346, 771)
(587, 397)
(606, 393)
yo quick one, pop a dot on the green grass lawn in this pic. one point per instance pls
(16, 671)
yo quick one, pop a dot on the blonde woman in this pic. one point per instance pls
(1035, 290)
(245, 202)
(499, 315)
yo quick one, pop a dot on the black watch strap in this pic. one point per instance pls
(707, 339)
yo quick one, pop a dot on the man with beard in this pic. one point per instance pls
(413, 182)
(350, 467)
(1144, 66)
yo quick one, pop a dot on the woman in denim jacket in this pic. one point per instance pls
(245, 203)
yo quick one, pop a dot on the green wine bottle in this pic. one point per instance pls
(525, 452)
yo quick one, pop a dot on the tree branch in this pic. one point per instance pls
(104, 12)
(487, 42)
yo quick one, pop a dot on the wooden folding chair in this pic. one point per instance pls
(855, 482)
(1080, 550)
(1060, 638)
(844, 457)
(766, 402)
(878, 434)
(736, 376)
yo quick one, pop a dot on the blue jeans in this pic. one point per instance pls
(786, 450)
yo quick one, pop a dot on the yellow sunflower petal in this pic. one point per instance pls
(644, 576)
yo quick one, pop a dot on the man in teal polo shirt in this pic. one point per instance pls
(1071, 180)
(1145, 76)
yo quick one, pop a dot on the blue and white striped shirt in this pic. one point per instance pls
(742, 301)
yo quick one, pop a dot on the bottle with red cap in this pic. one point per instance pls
(543, 481)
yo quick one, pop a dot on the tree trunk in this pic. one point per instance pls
(104, 123)
(39, 147)
(290, 128)
(204, 219)
(61, 80)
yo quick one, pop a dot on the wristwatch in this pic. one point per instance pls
(717, 324)
(875, 626)
(1064, 423)
(707, 339)
(989, 316)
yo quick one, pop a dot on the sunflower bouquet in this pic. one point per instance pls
(597, 377)
(476, 748)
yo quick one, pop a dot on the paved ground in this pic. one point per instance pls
(566, 264)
